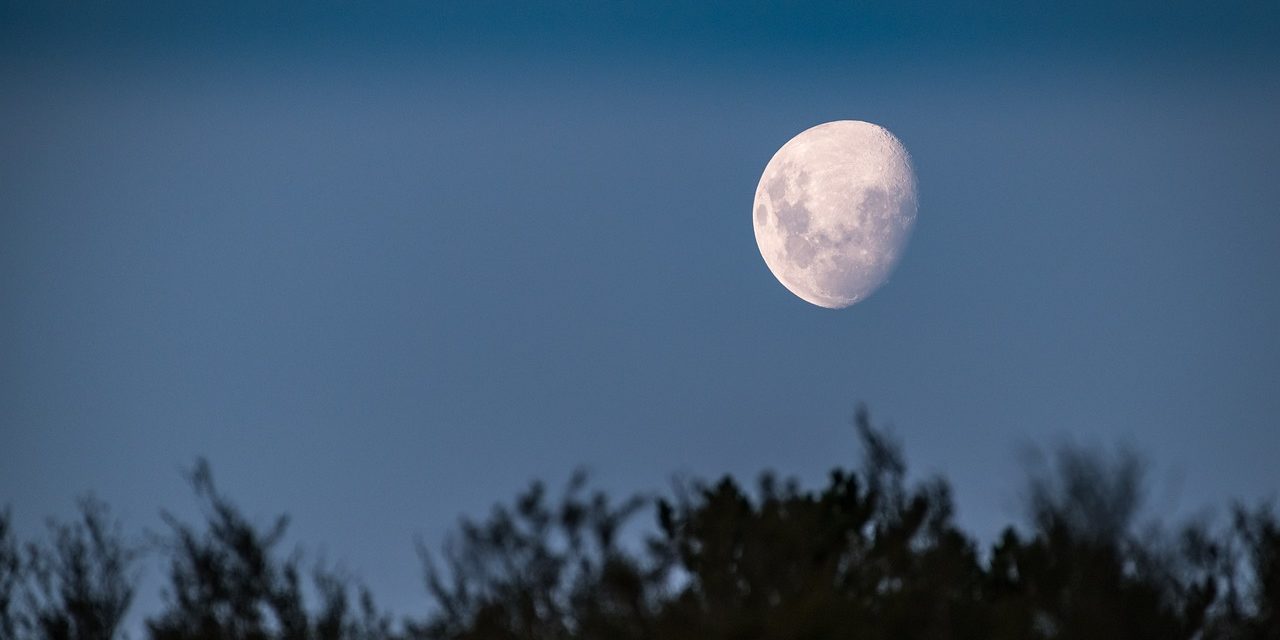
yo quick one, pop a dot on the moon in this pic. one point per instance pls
(833, 211)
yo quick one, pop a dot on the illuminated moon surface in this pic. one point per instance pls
(833, 211)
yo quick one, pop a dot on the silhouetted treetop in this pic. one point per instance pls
(77, 585)
(229, 582)
(870, 554)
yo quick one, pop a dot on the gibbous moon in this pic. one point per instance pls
(833, 211)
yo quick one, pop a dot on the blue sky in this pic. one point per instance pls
(384, 265)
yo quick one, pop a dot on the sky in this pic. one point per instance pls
(383, 264)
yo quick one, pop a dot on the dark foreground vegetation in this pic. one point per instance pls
(868, 556)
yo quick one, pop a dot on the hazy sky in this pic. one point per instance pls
(385, 265)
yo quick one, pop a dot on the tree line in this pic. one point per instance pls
(869, 555)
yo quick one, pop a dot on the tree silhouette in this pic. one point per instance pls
(867, 553)
(867, 556)
(76, 586)
(228, 583)
(11, 579)
(870, 554)
(1252, 604)
(540, 571)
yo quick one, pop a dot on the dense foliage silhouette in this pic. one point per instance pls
(868, 555)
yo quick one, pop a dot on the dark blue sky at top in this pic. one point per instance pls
(383, 265)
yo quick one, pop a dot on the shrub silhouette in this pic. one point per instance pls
(867, 555)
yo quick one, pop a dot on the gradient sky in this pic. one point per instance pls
(383, 265)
